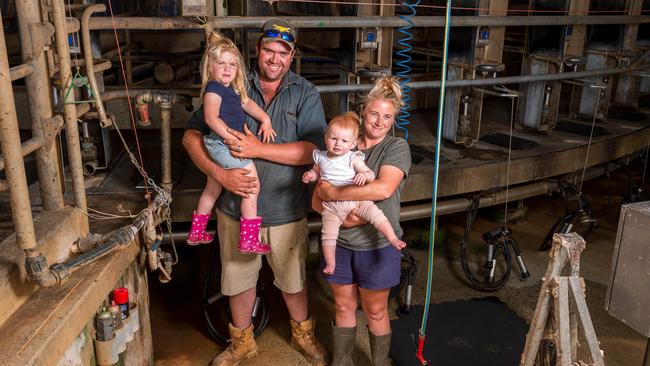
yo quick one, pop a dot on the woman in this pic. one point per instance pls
(367, 266)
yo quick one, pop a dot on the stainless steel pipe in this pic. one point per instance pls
(324, 89)
(151, 23)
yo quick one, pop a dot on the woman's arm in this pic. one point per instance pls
(383, 187)
(211, 109)
(351, 220)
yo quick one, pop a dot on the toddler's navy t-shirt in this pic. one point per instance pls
(231, 110)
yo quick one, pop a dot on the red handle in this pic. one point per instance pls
(419, 355)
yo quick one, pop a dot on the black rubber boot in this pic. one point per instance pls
(343, 341)
(379, 347)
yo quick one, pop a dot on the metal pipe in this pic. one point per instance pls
(88, 57)
(183, 95)
(445, 207)
(58, 273)
(151, 23)
(69, 110)
(324, 89)
(165, 146)
(27, 147)
(21, 71)
(38, 86)
(21, 210)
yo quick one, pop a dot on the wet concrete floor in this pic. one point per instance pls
(181, 337)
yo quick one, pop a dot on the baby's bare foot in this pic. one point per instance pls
(329, 269)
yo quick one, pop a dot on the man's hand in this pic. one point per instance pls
(238, 181)
(244, 145)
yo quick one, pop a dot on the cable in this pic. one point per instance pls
(591, 135)
(404, 63)
(512, 122)
(465, 8)
(434, 195)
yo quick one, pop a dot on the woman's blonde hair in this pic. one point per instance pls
(349, 120)
(217, 44)
(386, 87)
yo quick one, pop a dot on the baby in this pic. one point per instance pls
(340, 166)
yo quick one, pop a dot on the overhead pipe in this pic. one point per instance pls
(21, 210)
(454, 205)
(69, 110)
(35, 37)
(88, 57)
(58, 273)
(180, 23)
(325, 89)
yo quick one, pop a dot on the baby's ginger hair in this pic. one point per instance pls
(217, 44)
(348, 121)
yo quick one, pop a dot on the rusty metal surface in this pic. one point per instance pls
(628, 293)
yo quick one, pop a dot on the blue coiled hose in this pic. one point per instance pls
(405, 68)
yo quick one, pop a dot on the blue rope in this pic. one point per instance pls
(405, 67)
(436, 170)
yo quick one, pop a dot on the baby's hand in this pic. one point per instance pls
(360, 178)
(309, 176)
(267, 132)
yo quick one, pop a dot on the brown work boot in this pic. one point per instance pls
(304, 340)
(242, 346)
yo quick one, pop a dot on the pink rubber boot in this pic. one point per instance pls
(249, 232)
(198, 235)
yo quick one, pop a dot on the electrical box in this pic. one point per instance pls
(369, 39)
(201, 8)
(628, 292)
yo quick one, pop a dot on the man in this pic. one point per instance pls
(296, 112)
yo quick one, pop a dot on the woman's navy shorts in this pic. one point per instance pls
(375, 269)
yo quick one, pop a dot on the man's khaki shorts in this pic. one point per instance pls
(239, 272)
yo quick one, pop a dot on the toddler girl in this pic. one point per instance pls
(224, 101)
(340, 166)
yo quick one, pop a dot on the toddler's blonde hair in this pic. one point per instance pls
(217, 44)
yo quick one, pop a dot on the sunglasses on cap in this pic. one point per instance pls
(274, 33)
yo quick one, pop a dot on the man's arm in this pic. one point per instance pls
(237, 181)
(247, 146)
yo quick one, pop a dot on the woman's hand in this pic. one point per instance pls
(267, 132)
(244, 145)
(326, 191)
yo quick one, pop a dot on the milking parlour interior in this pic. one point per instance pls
(523, 204)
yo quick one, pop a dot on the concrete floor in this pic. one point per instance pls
(181, 338)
